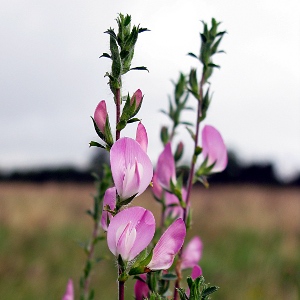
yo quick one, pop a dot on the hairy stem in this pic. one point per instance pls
(118, 111)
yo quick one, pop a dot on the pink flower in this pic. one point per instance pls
(100, 116)
(142, 137)
(138, 97)
(110, 200)
(157, 189)
(214, 149)
(168, 246)
(130, 232)
(165, 169)
(141, 289)
(192, 253)
(69, 294)
(131, 168)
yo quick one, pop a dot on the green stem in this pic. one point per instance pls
(118, 112)
(190, 182)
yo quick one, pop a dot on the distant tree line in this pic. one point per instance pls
(235, 173)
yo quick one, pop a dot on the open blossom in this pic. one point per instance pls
(110, 200)
(168, 246)
(69, 294)
(141, 289)
(130, 232)
(141, 136)
(192, 253)
(100, 116)
(165, 169)
(131, 167)
(214, 149)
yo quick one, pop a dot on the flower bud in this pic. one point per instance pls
(100, 116)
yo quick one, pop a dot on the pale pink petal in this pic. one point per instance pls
(138, 96)
(110, 200)
(141, 289)
(173, 211)
(196, 272)
(168, 246)
(69, 294)
(165, 169)
(142, 137)
(131, 167)
(157, 189)
(192, 253)
(126, 238)
(135, 227)
(100, 116)
(214, 148)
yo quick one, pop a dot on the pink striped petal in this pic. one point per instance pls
(141, 289)
(100, 115)
(69, 294)
(192, 253)
(131, 167)
(168, 246)
(214, 148)
(165, 169)
(110, 200)
(130, 232)
(142, 137)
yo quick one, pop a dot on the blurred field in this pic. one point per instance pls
(251, 241)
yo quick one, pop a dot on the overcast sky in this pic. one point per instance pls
(51, 77)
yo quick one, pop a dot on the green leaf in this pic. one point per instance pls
(169, 276)
(209, 291)
(96, 144)
(142, 68)
(105, 55)
(193, 55)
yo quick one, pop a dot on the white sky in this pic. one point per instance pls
(51, 78)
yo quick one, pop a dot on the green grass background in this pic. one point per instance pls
(251, 239)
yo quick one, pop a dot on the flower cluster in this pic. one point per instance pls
(155, 256)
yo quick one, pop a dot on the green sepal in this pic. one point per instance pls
(99, 133)
(121, 125)
(193, 81)
(125, 202)
(133, 120)
(140, 266)
(193, 55)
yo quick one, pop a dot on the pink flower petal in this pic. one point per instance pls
(100, 115)
(142, 137)
(196, 272)
(130, 232)
(110, 200)
(165, 169)
(214, 148)
(69, 294)
(192, 253)
(138, 96)
(157, 189)
(141, 289)
(168, 246)
(173, 211)
(131, 167)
